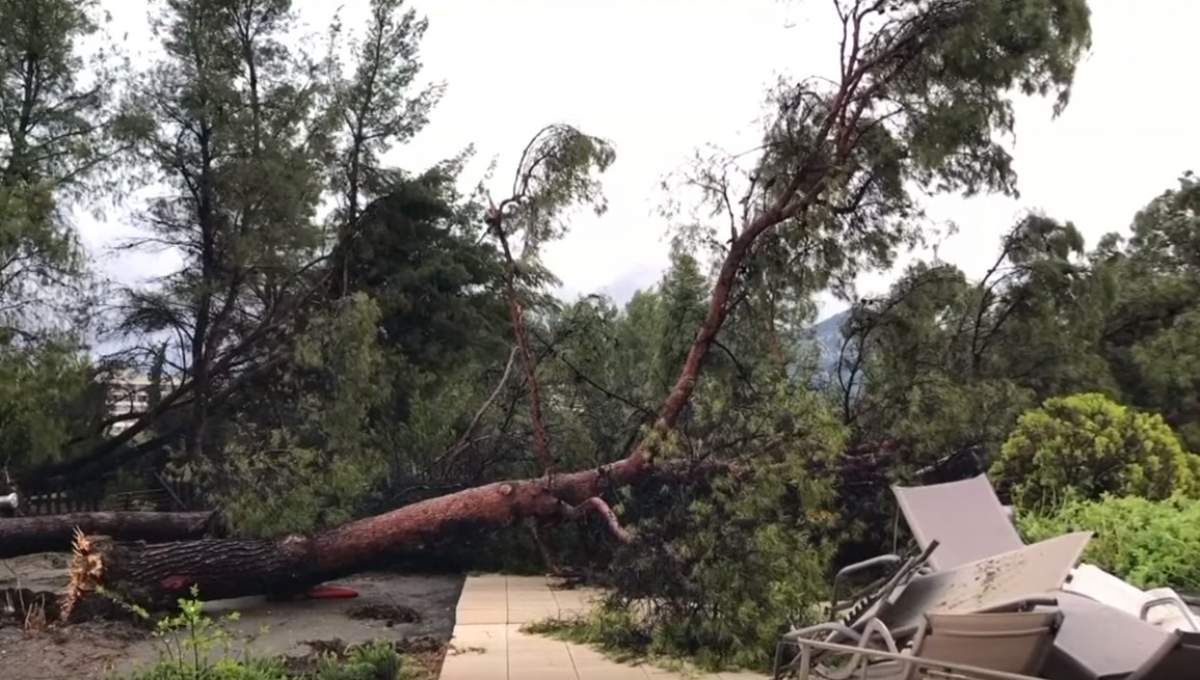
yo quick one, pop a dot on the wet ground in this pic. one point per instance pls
(395, 607)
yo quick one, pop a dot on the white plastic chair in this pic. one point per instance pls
(1161, 607)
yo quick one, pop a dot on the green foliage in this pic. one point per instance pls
(54, 141)
(1151, 292)
(1088, 445)
(370, 661)
(311, 458)
(613, 628)
(43, 396)
(724, 563)
(1149, 543)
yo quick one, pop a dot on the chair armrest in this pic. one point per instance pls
(850, 570)
(1171, 601)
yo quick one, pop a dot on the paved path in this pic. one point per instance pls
(488, 643)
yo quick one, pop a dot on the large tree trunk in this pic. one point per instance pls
(53, 533)
(156, 574)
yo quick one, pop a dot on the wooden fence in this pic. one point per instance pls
(164, 496)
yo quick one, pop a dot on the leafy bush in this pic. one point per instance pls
(1148, 543)
(1087, 445)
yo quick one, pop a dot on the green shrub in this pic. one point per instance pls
(370, 661)
(1148, 543)
(722, 565)
(1087, 445)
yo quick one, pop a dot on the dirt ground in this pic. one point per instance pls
(390, 606)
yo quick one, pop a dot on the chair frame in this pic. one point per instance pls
(914, 664)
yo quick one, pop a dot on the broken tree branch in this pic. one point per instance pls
(598, 506)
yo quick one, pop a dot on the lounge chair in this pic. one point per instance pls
(965, 517)
(1009, 582)
(969, 523)
(1177, 659)
(994, 645)
(1161, 607)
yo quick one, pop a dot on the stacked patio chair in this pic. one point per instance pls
(1105, 631)
(989, 646)
(1013, 582)
(968, 521)
(1177, 659)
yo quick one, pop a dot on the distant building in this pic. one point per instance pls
(129, 392)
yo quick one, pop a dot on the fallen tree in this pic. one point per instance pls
(910, 105)
(53, 533)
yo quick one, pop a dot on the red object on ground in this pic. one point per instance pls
(176, 582)
(330, 592)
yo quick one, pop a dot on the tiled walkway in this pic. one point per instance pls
(488, 643)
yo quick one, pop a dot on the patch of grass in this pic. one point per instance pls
(615, 632)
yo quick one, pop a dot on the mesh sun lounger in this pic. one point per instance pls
(1099, 642)
(1014, 580)
(994, 645)
(965, 517)
(1177, 659)
(968, 521)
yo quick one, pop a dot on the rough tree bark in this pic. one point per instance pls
(53, 533)
(156, 574)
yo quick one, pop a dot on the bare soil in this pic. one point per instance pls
(412, 610)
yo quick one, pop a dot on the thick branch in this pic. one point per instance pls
(596, 505)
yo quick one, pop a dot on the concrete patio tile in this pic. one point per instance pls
(655, 673)
(595, 660)
(540, 593)
(485, 603)
(612, 672)
(480, 616)
(534, 602)
(490, 613)
(483, 594)
(528, 583)
(481, 635)
(519, 662)
(551, 653)
(475, 667)
(545, 674)
(531, 614)
(486, 578)
(518, 639)
(493, 587)
(485, 583)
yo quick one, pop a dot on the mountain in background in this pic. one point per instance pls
(827, 334)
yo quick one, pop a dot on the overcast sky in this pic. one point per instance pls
(660, 78)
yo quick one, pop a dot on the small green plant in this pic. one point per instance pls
(193, 646)
(371, 661)
(1148, 543)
